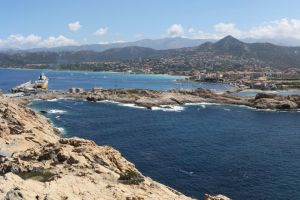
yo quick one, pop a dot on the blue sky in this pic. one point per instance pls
(33, 23)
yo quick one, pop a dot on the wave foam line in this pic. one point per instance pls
(56, 111)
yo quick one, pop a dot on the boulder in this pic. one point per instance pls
(269, 103)
(14, 194)
(264, 96)
(76, 90)
(217, 197)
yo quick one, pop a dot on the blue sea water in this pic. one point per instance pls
(240, 152)
(59, 80)
(236, 151)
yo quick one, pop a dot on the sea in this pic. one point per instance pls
(62, 80)
(237, 151)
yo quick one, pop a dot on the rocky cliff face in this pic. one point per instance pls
(36, 164)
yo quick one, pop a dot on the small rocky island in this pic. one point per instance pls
(35, 163)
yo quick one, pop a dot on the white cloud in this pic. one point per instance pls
(191, 30)
(103, 42)
(227, 29)
(282, 28)
(176, 30)
(203, 35)
(57, 41)
(112, 42)
(14, 41)
(18, 41)
(101, 31)
(278, 29)
(75, 26)
(118, 41)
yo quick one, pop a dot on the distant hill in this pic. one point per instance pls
(276, 56)
(158, 44)
(225, 53)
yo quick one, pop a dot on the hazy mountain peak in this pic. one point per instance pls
(228, 40)
(229, 43)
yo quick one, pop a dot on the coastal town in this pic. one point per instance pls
(247, 77)
(263, 79)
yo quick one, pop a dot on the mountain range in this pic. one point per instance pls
(227, 52)
(157, 44)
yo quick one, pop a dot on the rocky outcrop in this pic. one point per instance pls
(150, 98)
(35, 163)
(21, 128)
(217, 197)
(153, 98)
(272, 101)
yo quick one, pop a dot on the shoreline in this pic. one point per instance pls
(37, 163)
(99, 172)
(150, 99)
(177, 78)
(35, 137)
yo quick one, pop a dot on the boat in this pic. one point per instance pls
(42, 82)
(29, 86)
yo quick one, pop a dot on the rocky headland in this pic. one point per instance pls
(36, 164)
(153, 98)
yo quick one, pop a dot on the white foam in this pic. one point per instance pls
(131, 105)
(61, 130)
(202, 103)
(56, 111)
(169, 108)
(108, 101)
(52, 100)
(186, 172)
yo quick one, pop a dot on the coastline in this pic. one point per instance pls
(86, 165)
(36, 163)
(150, 99)
(95, 171)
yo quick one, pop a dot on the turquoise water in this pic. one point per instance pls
(240, 152)
(66, 79)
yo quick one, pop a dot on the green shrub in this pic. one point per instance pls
(131, 178)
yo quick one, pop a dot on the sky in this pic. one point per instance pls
(50, 23)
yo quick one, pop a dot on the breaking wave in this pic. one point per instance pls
(56, 111)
